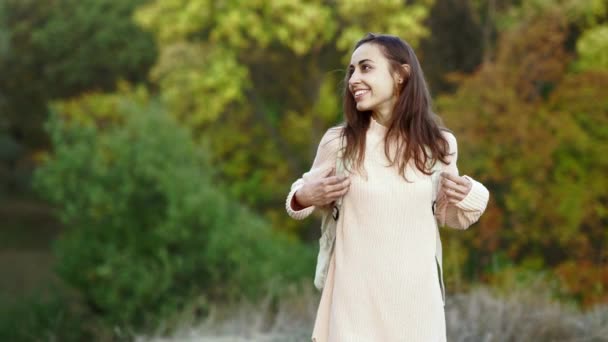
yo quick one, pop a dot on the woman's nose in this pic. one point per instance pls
(354, 79)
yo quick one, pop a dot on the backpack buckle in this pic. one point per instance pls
(335, 213)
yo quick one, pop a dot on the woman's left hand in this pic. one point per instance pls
(455, 187)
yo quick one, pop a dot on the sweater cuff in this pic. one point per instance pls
(297, 214)
(476, 199)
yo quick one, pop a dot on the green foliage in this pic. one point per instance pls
(40, 318)
(198, 81)
(592, 48)
(63, 48)
(581, 14)
(56, 49)
(148, 230)
(4, 33)
(70, 46)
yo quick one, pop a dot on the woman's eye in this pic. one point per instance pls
(363, 68)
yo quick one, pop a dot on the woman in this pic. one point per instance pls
(384, 283)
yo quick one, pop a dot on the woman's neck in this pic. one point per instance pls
(382, 114)
(381, 118)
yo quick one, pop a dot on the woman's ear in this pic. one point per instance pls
(406, 70)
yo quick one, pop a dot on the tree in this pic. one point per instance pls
(592, 47)
(455, 44)
(533, 133)
(259, 80)
(59, 49)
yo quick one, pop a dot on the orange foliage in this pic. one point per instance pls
(585, 281)
(537, 137)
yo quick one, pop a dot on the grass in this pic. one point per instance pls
(478, 316)
(524, 315)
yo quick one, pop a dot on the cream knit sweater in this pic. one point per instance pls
(383, 282)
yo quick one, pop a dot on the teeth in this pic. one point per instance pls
(361, 92)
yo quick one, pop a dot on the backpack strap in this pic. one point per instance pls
(435, 179)
(340, 170)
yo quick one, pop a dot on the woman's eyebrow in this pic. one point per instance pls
(363, 61)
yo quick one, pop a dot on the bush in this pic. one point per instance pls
(148, 231)
(42, 318)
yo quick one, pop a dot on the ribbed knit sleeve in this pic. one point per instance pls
(325, 159)
(466, 212)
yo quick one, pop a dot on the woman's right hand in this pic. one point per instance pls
(322, 191)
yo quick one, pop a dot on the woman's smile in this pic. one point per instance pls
(360, 93)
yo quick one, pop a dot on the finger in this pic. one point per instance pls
(339, 190)
(337, 186)
(337, 194)
(461, 182)
(468, 184)
(457, 179)
(450, 176)
(328, 172)
(333, 180)
(346, 182)
(448, 184)
(455, 198)
(454, 195)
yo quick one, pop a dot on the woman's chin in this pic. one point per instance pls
(362, 107)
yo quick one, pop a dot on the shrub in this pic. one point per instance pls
(148, 230)
(43, 318)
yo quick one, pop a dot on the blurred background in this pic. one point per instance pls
(147, 147)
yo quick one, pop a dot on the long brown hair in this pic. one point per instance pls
(413, 125)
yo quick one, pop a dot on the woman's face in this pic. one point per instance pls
(371, 82)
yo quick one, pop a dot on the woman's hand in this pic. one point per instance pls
(322, 191)
(455, 187)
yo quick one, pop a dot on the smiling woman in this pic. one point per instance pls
(384, 279)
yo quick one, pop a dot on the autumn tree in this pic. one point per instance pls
(532, 128)
(260, 81)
